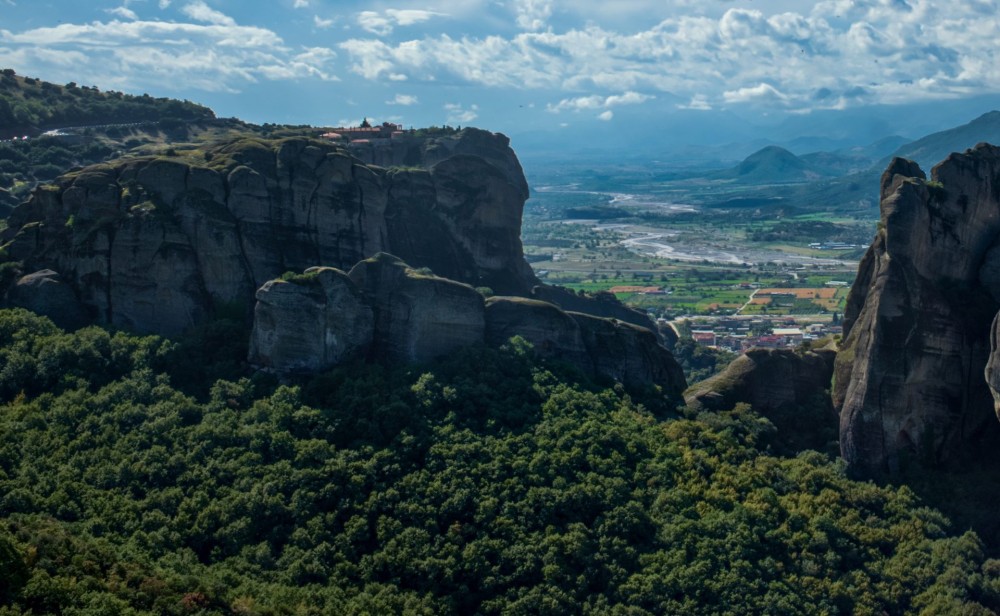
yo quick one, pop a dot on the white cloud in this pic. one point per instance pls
(374, 22)
(689, 54)
(457, 114)
(408, 17)
(699, 102)
(703, 55)
(607, 116)
(123, 12)
(200, 11)
(157, 55)
(384, 23)
(762, 92)
(599, 102)
(533, 14)
(403, 99)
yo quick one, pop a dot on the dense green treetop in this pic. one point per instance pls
(488, 483)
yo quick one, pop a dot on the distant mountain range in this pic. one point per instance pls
(932, 149)
(774, 164)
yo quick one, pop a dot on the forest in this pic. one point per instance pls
(140, 475)
(28, 104)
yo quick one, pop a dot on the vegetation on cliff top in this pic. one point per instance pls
(28, 104)
(487, 483)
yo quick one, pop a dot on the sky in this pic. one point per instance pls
(688, 71)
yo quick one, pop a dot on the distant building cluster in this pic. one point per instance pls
(365, 133)
(739, 334)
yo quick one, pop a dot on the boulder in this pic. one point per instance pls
(551, 331)
(601, 304)
(909, 378)
(790, 388)
(310, 322)
(418, 316)
(769, 380)
(629, 354)
(43, 292)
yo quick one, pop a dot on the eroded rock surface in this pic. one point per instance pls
(157, 244)
(909, 377)
(311, 322)
(44, 293)
(398, 314)
(551, 331)
(601, 304)
(769, 380)
(630, 354)
(418, 316)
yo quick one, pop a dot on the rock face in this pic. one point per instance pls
(155, 245)
(311, 322)
(44, 293)
(602, 304)
(552, 331)
(993, 365)
(909, 377)
(599, 347)
(769, 380)
(418, 316)
(629, 354)
(315, 321)
(789, 388)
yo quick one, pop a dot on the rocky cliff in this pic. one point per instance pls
(769, 380)
(909, 377)
(386, 309)
(790, 388)
(156, 244)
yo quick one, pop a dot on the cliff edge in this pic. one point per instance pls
(909, 375)
(157, 244)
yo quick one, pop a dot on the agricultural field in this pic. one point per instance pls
(681, 260)
(598, 256)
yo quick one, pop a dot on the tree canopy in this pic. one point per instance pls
(490, 482)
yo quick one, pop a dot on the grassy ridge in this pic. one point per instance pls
(28, 105)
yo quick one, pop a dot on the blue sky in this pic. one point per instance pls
(525, 65)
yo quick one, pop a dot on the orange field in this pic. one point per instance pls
(823, 293)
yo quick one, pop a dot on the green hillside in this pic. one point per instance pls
(772, 164)
(28, 106)
(932, 149)
(488, 483)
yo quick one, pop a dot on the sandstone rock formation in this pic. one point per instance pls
(548, 328)
(315, 321)
(156, 244)
(909, 377)
(597, 346)
(769, 380)
(310, 322)
(44, 293)
(993, 365)
(418, 316)
(601, 304)
(630, 354)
